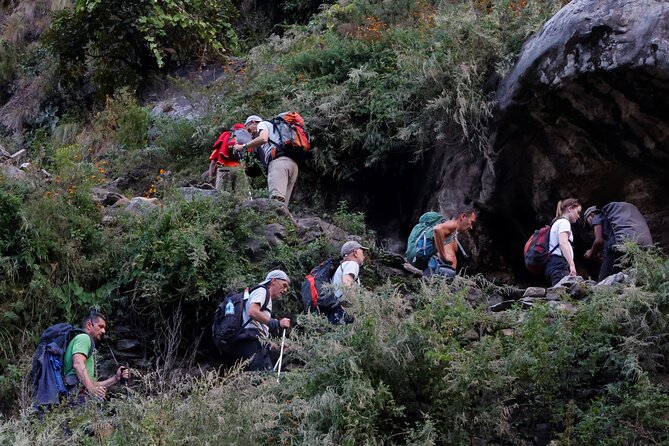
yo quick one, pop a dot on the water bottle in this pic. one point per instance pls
(229, 308)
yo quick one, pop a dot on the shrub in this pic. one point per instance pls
(182, 254)
(351, 222)
(55, 261)
(116, 43)
(433, 370)
(380, 83)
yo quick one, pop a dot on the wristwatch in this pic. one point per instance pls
(245, 146)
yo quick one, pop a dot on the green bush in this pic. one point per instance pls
(55, 261)
(183, 253)
(351, 222)
(181, 142)
(116, 43)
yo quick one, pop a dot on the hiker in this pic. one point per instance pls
(561, 261)
(432, 246)
(346, 276)
(281, 171)
(79, 362)
(258, 321)
(225, 167)
(613, 225)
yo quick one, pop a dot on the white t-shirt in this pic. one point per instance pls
(258, 297)
(271, 132)
(265, 150)
(561, 225)
(348, 267)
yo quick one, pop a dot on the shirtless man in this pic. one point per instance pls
(445, 261)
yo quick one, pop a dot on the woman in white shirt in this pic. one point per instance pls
(561, 261)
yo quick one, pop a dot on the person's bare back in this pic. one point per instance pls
(447, 249)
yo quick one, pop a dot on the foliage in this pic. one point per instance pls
(351, 222)
(181, 140)
(435, 370)
(54, 258)
(188, 251)
(380, 83)
(118, 42)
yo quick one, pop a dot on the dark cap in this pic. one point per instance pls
(589, 211)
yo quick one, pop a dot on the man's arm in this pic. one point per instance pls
(259, 316)
(79, 365)
(348, 279)
(262, 138)
(596, 247)
(121, 372)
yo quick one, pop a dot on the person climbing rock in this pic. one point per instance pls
(281, 170)
(613, 225)
(346, 275)
(79, 362)
(445, 262)
(225, 166)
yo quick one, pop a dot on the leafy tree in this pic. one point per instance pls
(114, 43)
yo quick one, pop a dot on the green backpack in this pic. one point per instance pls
(420, 246)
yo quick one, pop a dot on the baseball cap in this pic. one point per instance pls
(589, 211)
(276, 274)
(252, 118)
(351, 246)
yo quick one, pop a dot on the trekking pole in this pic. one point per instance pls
(278, 361)
(283, 339)
(123, 381)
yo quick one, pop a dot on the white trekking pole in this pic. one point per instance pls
(278, 363)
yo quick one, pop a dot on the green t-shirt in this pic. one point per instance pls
(81, 343)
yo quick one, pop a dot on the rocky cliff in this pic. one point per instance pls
(582, 113)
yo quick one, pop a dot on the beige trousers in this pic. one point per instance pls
(233, 180)
(281, 178)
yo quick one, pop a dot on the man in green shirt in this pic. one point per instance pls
(79, 362)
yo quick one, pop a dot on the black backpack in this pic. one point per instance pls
(47, 369)
(228, 324)
(317, 292)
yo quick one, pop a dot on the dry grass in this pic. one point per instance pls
(59, 5)
(14, 28)
(25, 104)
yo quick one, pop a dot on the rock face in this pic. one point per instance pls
(583, 113)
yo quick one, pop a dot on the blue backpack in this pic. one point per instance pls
(47, 369)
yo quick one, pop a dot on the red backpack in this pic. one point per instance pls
(293, 137)
(536, 249)
(222, 153)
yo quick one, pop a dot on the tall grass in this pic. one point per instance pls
(434, 370)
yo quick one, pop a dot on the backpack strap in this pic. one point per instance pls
(77, 332)
(341, 265)
(549, 236)
(72, 380)
(450, 238)
(269, 140)
(462, 250)
(264, 305)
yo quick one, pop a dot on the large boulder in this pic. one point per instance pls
(583, 113)
(139, 205)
